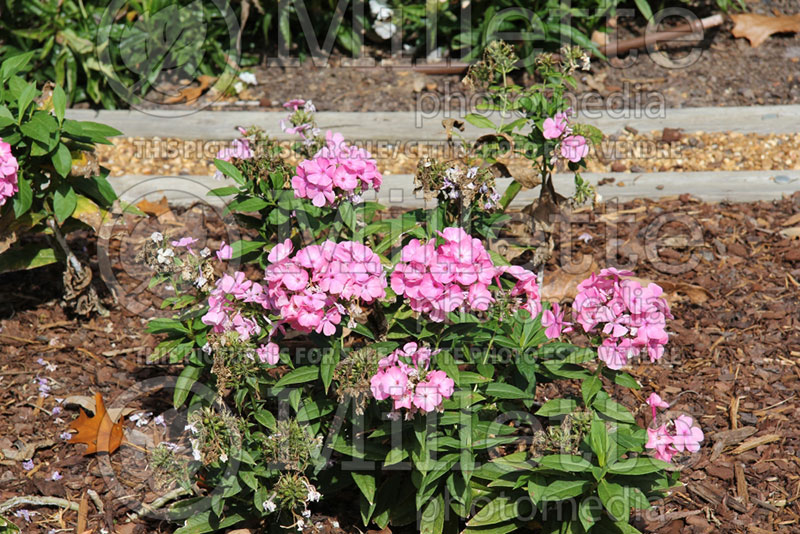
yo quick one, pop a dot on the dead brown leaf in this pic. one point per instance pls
(154, 208)
(449, 124)
(791, 221)
(561, 285)
(99, 432)
(190, 94)
(756, 28)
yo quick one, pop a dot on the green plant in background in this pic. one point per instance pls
(60, 187)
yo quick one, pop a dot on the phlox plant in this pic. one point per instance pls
(50, 181)
(394, 362)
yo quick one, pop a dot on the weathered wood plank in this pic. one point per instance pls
(398, 189)
(413, 126)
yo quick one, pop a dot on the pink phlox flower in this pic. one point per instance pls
(186, 242)
(686, 436)
(225, 252)
(553, 321)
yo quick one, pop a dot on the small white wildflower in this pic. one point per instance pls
(472, 172)
(300, 525)
(164, 254)
(238, 86)
(380, 9)
(196, 450)
(313, 494)
(192, 427)
(248, 78)
(269, 505)
(159, 420)
(206, 252)
(200, 281)
(306, 513)
(585, 237)
(223, 457)
(309, 107)
(157, 237)
(206, 348)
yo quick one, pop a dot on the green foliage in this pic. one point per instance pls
(61, 187)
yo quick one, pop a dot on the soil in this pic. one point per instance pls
(733, 363)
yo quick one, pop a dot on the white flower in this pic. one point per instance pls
(309, 107)
(200, 281)
(206, 252)
(164, 254)
(384, 29)
(196, 450)
(206, 348)
(157, 237)
(223, 457)
(585, 237)
(306, 513)
(269, 505)
(380, 10)
(248, 78)
(192, 427)
(159, 420)
(313, 494)
(300, 525)
(141, 419)
(238, 87)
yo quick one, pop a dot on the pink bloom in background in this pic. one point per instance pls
(574, 148)
(655, 402)
(186, 242)
(294, 104)
(8, 172)
(225, 252)
(405, 378)
(631, 317)
(554, 323)
(239, 149)
(554, 127)
(337, 171)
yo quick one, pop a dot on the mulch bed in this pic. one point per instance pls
(732, 363)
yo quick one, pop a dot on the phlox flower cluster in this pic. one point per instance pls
(672, 437)
(239, 149)
(313, 289)
(404, 377)
(572, 147)
(224, 308)
(8, 172)
(456, 275)
(337, 171)
(631, 316)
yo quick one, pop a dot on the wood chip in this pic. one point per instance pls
(741, 483)
(755, 442)
(83, 512)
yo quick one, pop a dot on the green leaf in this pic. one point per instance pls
(558, 490)
(557, 407)
(265, 417)
(24, 197)
(249, 205)
(64, 202)
(644, 9)
(505, 391)
(642, 465)
(229, 170)
(97, 131)
(480, 121)
(589, 511)
(26, 257)
(300, 375)
(59, 103)
(613, 409)
(7, 527)
(328, 365)
(499, 510)
(14, 64)
(204, 522)
(366, 483)
(24, 100)
(432, 519)
(62, 160)
(566, 462)
(614, 499)
(224, 191)
(598, 440)
(243, 248)
(183, 386)
(589, 389)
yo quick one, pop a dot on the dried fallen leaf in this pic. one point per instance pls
(153, 208)
(190, 94)
(99, 432)
(756, 28)
(449, 124)
(791, 233)
(561, 285)
(791, 221)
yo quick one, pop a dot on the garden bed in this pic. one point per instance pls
(737, 365)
